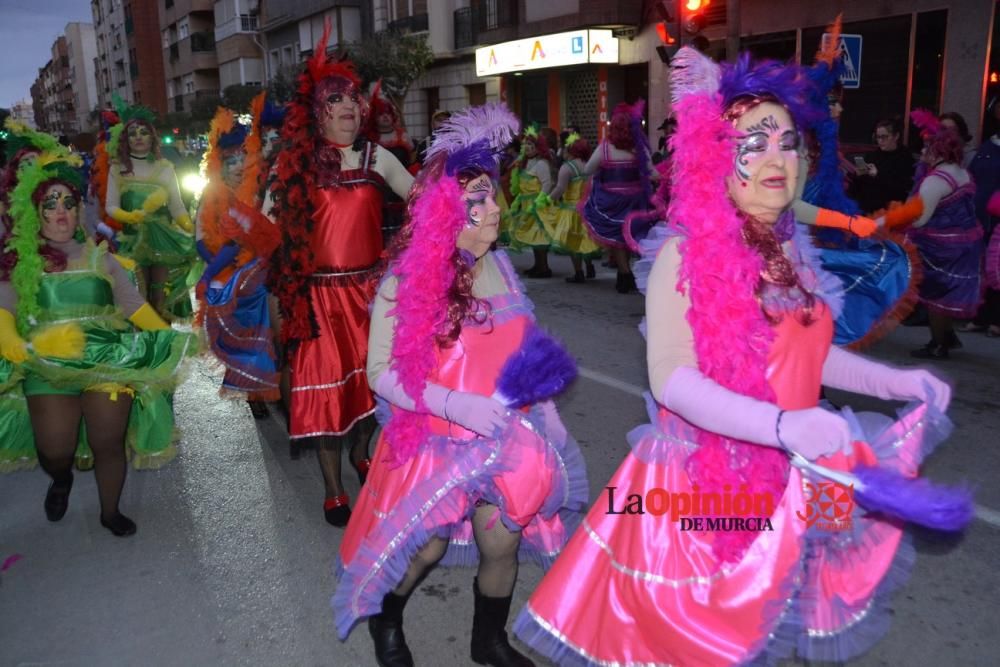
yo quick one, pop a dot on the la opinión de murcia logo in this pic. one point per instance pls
(726, 511)
(829, 505)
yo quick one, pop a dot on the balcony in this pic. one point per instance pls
(203, 41)
(494, 14)
(416, 23)
(238, 24)
(465, 31)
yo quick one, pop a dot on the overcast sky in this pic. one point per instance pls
(27, 30)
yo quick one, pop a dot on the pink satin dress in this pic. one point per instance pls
(637, 590)
(330, 392)
(536, 478)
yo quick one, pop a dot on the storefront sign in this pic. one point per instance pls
(850, 54)
(602, 103)
(566, 48)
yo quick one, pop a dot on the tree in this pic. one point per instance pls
(281, 87)
(238, 97)
(397, 59)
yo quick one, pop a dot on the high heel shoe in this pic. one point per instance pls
(119, 525)
(362, 467)
(337, 511)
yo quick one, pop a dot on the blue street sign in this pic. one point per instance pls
(850, 53)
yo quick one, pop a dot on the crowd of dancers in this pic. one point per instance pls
(355, 278)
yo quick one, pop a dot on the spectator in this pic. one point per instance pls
(886, 175)
(954, 121)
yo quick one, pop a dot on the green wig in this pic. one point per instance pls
(25, 239)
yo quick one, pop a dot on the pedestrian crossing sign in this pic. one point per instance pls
(850, 55)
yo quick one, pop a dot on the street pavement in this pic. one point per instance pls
(232, 564)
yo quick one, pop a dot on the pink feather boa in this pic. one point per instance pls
(732, 337)
(426, 272)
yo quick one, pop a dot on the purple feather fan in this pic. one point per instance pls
(540, 369)
(915, 500)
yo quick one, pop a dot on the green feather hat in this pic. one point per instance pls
(126, 114)
(22, 136)
(25, 239)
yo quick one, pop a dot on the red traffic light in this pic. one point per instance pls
(664, 34)
(177, 130)
(695, 5)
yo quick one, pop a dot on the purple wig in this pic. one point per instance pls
(787, 83)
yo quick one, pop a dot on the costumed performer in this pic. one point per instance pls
(530, 211)
(736, 381)
(879, 274)
(22, 145)
(236, 241)
(948, 237)
(985, 172)
(569, 235)
(142, 196)
(107, 227)
(97, 351)
(327, 201)
(458, 476)
(622, 171)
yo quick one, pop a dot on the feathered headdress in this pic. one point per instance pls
(732, 336)
(127, 114)
(927, 121)
(23, 137)
(26, 240)
(273, 115)
(471, 140)
(826, 186)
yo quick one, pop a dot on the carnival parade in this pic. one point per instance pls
(492, 333)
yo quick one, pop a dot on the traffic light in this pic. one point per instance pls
(168, 140)
(694, 15)
(669, 32)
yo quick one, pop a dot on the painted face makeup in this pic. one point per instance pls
(60, 210)
(232, 167)
(765, 168)
(140, 139)
(480, 198)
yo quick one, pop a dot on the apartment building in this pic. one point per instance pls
(81, 50)
(191, 67)
(111, 64)
(237, 43)
(290, 28)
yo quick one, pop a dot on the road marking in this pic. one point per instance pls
(984, 514)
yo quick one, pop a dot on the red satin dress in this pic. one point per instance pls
(330, 391)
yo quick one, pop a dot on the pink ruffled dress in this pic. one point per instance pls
(634, 589)
(537, 479)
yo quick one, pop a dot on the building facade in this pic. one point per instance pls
(240, 53)
(145, 60)
(81, 49)
(23, 112)
(290, 29)
(191, 67)
(111, 65)
(52, 93)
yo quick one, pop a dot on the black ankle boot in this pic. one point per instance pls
(57, 499)
(489, 638)
(386, 630)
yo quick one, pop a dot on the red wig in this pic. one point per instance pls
(579, 149)
(620, 129)
(946, 145)
(301, 168)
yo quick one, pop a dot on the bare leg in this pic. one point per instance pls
(107, 421)
(55, 421)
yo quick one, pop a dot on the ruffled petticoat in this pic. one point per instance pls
(536, 480)
(636, 590)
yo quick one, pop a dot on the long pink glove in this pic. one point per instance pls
(813, 432)
(478, 413)
(852, 372)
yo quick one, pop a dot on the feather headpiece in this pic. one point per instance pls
(927, 121)
(787, 83)
(23, 137)
(25, 239)
(474, 138)
(130, 112)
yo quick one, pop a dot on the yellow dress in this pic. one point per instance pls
(531, 226)
(569, 235)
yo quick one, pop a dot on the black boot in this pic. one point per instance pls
(489, 638)
(57, 498)
(386, 630)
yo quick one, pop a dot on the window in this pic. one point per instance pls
(275, 61)
(188, 81)
(166, 39)
(167, 4)
(183, 28)
(477, 94)
(287, 58)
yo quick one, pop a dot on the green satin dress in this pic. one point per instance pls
(158, 241)
(117, 358)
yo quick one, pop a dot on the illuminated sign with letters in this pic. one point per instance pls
(577, 47)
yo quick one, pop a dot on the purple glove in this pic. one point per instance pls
(478, 413)
(812, 432)
(852, 372)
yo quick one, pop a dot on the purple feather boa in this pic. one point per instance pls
(539, 370)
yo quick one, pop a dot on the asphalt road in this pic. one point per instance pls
(232, 561)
